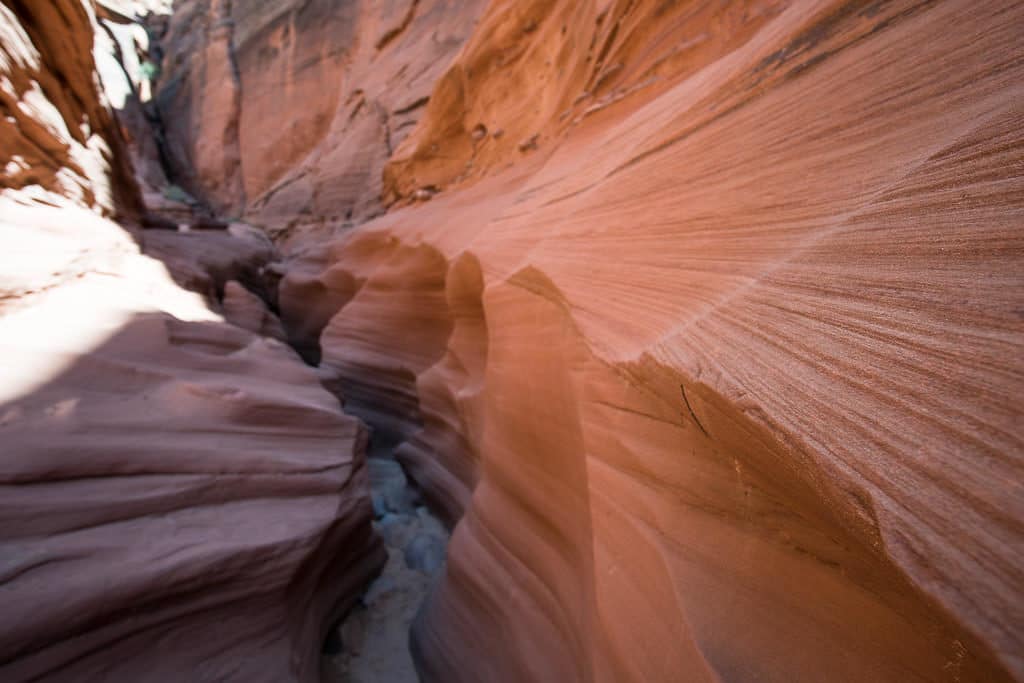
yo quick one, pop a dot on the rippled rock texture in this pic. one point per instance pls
(289, 110)
(180, 502)
(180, 499)
(710, 336)
(700, 322)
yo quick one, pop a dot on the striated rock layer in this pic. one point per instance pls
(711, 340)
(289, 110)
(59, 140)
(181, 502)
(180, 499)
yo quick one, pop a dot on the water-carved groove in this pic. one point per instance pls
(700, 342)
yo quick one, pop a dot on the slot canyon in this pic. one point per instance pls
(512, 341)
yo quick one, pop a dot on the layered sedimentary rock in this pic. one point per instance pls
(701, 322)
(179, 497)
(288, 111)
(124, 65)
(200, 114)
(59, 141)
(248, 311)
(710, 336)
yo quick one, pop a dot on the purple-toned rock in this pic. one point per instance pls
(181, 502)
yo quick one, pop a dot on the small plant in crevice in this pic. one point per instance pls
(176, 194)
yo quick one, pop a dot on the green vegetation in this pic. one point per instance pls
(149, 70)
(176, 194)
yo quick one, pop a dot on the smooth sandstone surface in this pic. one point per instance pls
(716, 352)
(182, 518)
(180, 499)
(246, 310)
(700, 323)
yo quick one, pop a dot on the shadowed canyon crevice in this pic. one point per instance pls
(699, 326)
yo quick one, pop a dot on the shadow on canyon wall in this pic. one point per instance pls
(198, 506)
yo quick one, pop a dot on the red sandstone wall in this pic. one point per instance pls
(721, 370)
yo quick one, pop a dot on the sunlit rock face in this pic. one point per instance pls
(288, 111)
(700, 322)
(180, 499)
(709, 335)
(59, 142)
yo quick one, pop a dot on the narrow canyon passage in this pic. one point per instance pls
(512, 341)
(371, 643)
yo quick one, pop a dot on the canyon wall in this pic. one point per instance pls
(703, 322)
(288, 111)
(180, 499)
(699, 321)
(59, 140)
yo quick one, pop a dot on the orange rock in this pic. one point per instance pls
(59, 141)
(735, 395)
(711, 353)
(324, 91)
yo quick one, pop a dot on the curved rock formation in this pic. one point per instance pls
(715, 349)
(290, 110)
(182, 517)
(200, 113)
(245, 309)
(699, 322)
(180, 499)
